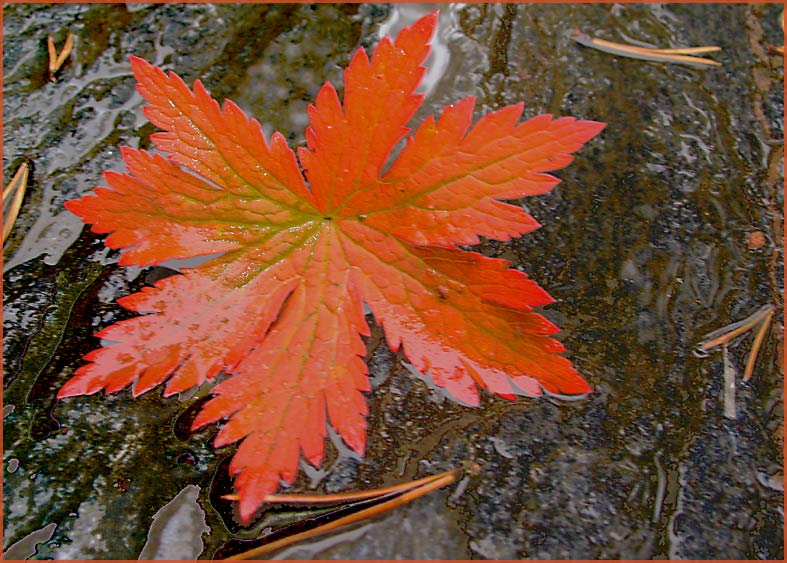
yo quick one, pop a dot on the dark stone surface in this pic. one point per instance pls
(643, 246)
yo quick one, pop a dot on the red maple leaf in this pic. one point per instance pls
(281, 309)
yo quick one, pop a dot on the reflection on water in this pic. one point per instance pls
(404, 15)
(176, 532)
(643, 246)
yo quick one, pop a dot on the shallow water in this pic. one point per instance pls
(644, 247)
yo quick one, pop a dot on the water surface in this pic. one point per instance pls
(644, 247)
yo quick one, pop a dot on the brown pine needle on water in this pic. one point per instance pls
(755, 348)
(346, 497)
(56, 60)
(759, 320)
(679, 55)
(390, 497)
(16, 188)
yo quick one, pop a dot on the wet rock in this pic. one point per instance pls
(641, 246)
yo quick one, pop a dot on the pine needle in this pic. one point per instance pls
(680, 55)
(759, 321)
(727, 333)
(343, 497)
(56, 60)
(15, 187)
(755, 348)
(780, 49)
(729, 384)
(390, 497)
